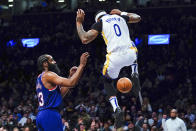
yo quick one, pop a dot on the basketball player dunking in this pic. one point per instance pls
(121, 51)
(51, 88)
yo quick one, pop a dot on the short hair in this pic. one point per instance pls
(41, 59)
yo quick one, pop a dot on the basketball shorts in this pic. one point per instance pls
(117, 60)
(49, 120)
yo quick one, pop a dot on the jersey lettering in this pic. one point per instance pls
(40, 99)
(117, 30)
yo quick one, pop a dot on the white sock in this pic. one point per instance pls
(114, 102)
(134, 68)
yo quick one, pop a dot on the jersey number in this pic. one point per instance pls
(40, 99)
(117, 30)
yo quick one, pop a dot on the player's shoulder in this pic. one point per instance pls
(49, 74)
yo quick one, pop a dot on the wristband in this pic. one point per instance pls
(123, 13)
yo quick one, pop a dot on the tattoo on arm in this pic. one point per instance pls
(86, 37)
(81, 31)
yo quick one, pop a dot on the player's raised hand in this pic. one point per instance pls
(115, 11)
(80, 16)
(83, 58)
(72, 71)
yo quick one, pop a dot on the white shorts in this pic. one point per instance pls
(116, 61)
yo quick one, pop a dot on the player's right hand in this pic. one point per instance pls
(80, 16)
(83, 58)
(115, 11)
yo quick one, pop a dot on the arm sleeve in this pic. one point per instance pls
(97, 26)
(126, 17)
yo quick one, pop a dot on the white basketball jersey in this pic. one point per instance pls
(115, 33)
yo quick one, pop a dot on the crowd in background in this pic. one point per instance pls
(92, 5)
(167, 73)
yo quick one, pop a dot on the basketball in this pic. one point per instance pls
(124, 85)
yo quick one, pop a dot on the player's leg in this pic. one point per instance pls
(38, 121)
(135, 75)
(109, 76)
(111, 92)
(135, 79)
(111, 72)
(136, 82)
(111, 95)
(50, 120)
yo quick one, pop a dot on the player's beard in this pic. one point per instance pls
(54, 68)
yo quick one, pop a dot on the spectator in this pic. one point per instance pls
(93, 111)
(141, 124)
(154, 128)
(27, 128)
(145, 127)
(15, 129)
(65, 124)
(174, 123)
(131, 126)
(11, 121)
(93, 126)
(190, 115)
(193, 128)
(106, 127)
(82, 127)
(23, 120)
(146, 107)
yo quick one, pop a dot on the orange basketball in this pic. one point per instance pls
(124, 85)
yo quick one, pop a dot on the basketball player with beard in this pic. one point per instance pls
(51, 88)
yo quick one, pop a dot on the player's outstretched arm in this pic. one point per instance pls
(133, 18)
(54, 79)
(64, 89)
(85, 37)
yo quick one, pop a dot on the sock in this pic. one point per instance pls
(114, 102)
(134, 68)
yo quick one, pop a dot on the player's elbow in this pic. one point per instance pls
(72, 83)
(68, 83)
(134, 18)
(85, 41)
(139, 18)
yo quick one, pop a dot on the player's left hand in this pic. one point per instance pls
(80, 16)
(115, 11)
(72, 71)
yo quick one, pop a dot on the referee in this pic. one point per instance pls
(174, 123)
